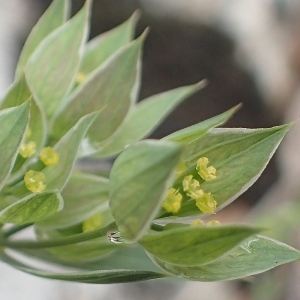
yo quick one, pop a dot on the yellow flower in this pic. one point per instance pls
(207, 204)
(172, 203)
(27, 150)
(207, 173)
(80, 77)
(192, 187)
(213, 223)
(92, 223)
(181, 168)
(197, 222)
(35, 181)
(49, 156)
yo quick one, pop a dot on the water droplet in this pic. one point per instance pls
(115, 237)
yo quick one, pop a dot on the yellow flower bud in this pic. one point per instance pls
(207, 173)
(35, 181)
(192, 187)
(92, 223)
(80, 77)
(207, 204)
(172, 203)
(181, 168)
(49, 156)
(27, 150)
(197, 222)
(213, 223)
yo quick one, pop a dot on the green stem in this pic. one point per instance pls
(15, 229)
(81, 237)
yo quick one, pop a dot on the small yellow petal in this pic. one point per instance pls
(92, 223)
(197, 222)
(207, 204)
(35, 181)
(207, 173)
(213, 223)
(28, 149)
(49, 156)
(192, 187)
(80, 77)
(181, 168)
(172, 203)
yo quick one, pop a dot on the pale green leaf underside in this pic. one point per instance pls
(50, 82)
(139, 180)
(54, 17)
(83, 195)
(255, 256)
(195, 132)
(32, 208)
(104, 45)
(195, 245)
(18, 94)
(144, 118)
(86, 251)
(13, 123)
(111, 89)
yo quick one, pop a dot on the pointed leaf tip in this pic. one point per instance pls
(139, 180)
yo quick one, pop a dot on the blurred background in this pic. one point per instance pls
(249, 51)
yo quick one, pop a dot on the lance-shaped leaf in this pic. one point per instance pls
(86, 251)
(99, 277)
(18, 94)
(54, 17)
(239, 156)
(257, 255)
(111, 89)
(83, 195)
(144, 118)
(51, 70)
(104, 45)
(32, 208)
(195, 132)
(195, 245)
(67, 147)
(13, 123)
(139, 181)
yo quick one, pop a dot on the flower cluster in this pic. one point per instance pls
(199, 222)
(35, 181)
(192, 189)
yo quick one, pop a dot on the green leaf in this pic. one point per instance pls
(13, 123)
(99, 277)
(139, 181)
(54, 17)
(83, 195)
(239, 155)
(51, 70)
(104, 45)
(86, 251)
(18, 93)
(255, 256)
(32, 208)
(144, 118)
(195, 132)
(67, 147)
(111, 89)
(195, 245)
